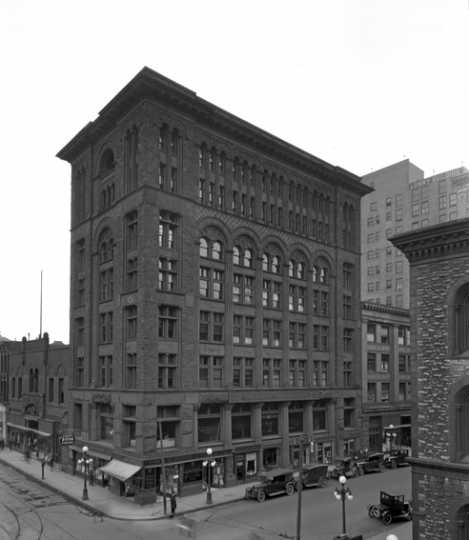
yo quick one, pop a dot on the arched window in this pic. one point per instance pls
(265, 262)
(247, 261)
(315, 273)
(174, 142)
(106, 163)
(291, 268)
(461, 411)
(275, 265)
(300, 270)
(236, 255)
(323, 275)
(203, 249)
(462, 523)
(461, 320)
(216, 250)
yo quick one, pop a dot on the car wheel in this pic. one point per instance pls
(290, 489)
(261, 496)
(373, 511)
(386, 518)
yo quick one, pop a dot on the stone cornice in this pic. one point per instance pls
(439, 464)
(381, 308)
(149, 84)
(437, 241)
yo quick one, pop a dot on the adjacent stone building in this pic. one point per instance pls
(439, 307)
(386, 377)
(215, 278)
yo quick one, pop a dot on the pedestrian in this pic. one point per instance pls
(173, 504)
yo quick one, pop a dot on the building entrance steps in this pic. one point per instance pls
(103, 502)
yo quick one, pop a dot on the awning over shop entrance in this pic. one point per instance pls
(119, 469)
(29, 430)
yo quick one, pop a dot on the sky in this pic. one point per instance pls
(359, 83)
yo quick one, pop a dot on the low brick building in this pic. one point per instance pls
(439, 270)
(34, 394)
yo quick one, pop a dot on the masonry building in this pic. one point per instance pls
(215, 277)
(439, 307)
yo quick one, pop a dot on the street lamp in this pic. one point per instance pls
(342, 494)
(209, 463)
(391, 435)
(391, 537)
(85, 461)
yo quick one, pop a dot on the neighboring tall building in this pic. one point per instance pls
(403, 200)
(439, 307)
(215, 274)
(386, 376)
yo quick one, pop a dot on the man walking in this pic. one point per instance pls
(173, 504)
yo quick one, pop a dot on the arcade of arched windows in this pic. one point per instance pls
(263, 195)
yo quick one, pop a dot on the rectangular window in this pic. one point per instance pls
(347, 306)
(384, 334)
(211, 371)
(168, 322)
(241, 421)
(348, 373)
(167, 365)
(371, 392)
(209, 422)
(131, 371)
(371, 333)
(384, 363)
(385, 389)
(371, 362)
(131, 230)
(270, 419)
(131, 322)
(319, 417)
(348, 340)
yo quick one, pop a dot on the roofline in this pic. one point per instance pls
(148, 84)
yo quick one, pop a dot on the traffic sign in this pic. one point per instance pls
(66, 439)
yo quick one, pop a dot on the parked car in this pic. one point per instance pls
(371, 463)
(314, 475)
(390, 508)
(397, 458)
(345, 466)
(274, 482)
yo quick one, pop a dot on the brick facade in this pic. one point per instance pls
(439, 269)
(189, 173)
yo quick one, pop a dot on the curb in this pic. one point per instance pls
(101, 513)
(43, 483)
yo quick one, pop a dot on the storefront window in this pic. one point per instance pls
(192, 472)
(270, 456)
(270, 418)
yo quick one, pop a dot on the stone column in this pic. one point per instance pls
(257, 432)
(284, 433)
(195, 427)
(227, 425)
(308, 427)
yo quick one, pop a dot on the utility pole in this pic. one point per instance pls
(299, 486)
(163, 470)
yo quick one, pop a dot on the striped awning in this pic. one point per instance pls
(119, 469)
(29, 430)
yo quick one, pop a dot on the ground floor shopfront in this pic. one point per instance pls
(192, 472)
(387, 431)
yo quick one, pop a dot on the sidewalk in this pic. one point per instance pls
(102, 501)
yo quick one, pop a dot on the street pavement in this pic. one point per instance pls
(234, 519)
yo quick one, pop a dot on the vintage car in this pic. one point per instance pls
(390, 508)
(397, 458)
(274, 482)
(345, 466)
(314, 475)
(371, 463)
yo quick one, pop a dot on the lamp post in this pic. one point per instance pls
(85, 461)
(391, 537)
(391, 435)
(209, 463)
(342, 494)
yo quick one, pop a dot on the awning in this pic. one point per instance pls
(119, 469)
(29, 430)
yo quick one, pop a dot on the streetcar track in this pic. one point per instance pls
(18, 524)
